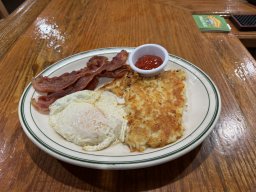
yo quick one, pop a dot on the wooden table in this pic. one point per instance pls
(42, 32)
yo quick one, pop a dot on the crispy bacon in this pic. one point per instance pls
(96, 61)
(93, 83)
(85, 78)
(43, 102)
(118, 73)
(118, 61)
(54, 84)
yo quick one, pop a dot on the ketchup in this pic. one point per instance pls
(148, 62)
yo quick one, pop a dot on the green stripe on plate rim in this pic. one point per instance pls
(123, 162)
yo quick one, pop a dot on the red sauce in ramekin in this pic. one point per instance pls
(148, 62)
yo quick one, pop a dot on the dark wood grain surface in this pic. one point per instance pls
(225, 161)
(14, 25)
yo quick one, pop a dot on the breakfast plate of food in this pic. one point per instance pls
(93, 110)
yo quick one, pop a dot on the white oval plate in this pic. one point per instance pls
(200, 116)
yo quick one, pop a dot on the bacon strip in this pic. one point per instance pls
(54, 84)
(118, 73)
(85, 78)
(118, 61)
(93, 84)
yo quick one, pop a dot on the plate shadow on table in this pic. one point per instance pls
(138, 179)
(118, 180)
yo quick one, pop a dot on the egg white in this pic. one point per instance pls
(91, 119)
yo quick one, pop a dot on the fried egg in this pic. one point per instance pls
(91, 119)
